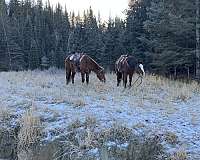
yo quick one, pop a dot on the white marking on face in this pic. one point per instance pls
(142, 68)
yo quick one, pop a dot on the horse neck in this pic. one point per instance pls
(95, 67)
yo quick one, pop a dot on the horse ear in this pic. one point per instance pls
(140, 61)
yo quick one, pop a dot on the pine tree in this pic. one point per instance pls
(34, 55)
(136, 16)
(92, 36)
(171, 35)
(197, 39)
(52, 58)
(113, 39)
(27, 39)
(16, 56)
(4, 55)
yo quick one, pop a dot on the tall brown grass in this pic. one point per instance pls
(30, 129)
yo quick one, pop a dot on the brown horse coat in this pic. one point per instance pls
(126, 66)
(85, 64)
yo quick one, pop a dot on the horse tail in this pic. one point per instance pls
(67, 70)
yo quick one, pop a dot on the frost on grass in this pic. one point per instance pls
(5, 113)
(30, 130)
(179, 155)
(159, 105)
(8, 142)
(84, 141)
(171, 138)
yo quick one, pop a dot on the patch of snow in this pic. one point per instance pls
(53, 98)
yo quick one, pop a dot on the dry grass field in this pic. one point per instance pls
(44, 109)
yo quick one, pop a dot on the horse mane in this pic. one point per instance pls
(98, 67)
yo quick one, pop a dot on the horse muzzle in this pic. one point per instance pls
(143, 74)
(103, 80)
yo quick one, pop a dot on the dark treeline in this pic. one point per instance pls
(161, 34)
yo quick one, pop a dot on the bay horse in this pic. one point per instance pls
(84, 64)
(126, 66)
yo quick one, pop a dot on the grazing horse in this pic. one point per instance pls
(126, 66)
(84, 64)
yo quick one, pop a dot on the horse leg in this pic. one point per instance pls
(83, 77)
(119, 78)
(130, 79)
(66, 72)
(87, 78)
(125, 79)
(73, 75)
(68, 76)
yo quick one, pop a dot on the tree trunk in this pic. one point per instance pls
(197, 39)
(175, 72)
(69, 41)
(188, 73)
(2, 16)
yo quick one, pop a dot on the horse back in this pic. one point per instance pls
(125, 64)
(119, 64)
(131, 61)
(70, 63)
(86, 63)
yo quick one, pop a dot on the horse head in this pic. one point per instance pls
(101, 75)
(140, 69)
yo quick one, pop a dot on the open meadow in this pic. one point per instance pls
(39, 108)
